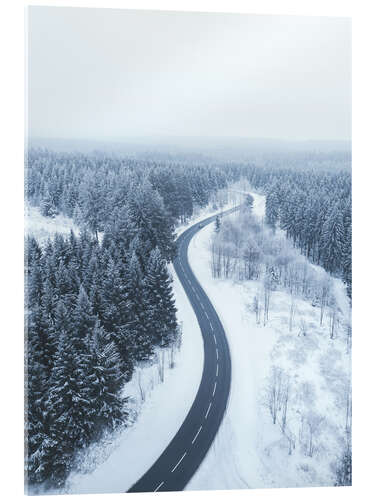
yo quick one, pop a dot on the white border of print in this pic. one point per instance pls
(12, 130)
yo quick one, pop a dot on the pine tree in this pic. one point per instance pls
(37, 388)
(105, 378)
(126, 341)
(69, 406)
(347, 249)
(92, 205)
(136, 309)
(272, 209)
(33, 253)
(332, 240)
(113, 297)
(344, 469)
(249, 202)
(34, 285)
(48, 208)
(41, 324)
(160, 300)
(154, 225)
(217, 224)
(82, 322)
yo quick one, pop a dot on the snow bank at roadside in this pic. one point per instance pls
(249, 451)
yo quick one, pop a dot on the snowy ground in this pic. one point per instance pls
(43, 228)
(249, 450)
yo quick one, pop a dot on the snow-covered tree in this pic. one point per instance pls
(217, 224)
(161, 308)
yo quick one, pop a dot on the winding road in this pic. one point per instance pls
(179, 461)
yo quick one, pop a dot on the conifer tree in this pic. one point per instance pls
(113, 297)
(160, 300)
(137, 309)
(332, 240)
(217, 224)
(37, 388)
(33, 253)
(105, 379)
(82, 322)
(249, 202)
(35, 285)
(272, 209)
(69, 406)
(48, 208)
(154, 225)
(93, 205)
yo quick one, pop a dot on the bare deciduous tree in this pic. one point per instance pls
(257, 308)
(310, 429)
(348, 328)
(348, 416)
(284, 400)
(302, 328)
(291, 438)
(172, 362)
(160, 364)
(277, 394)
(140, 386)
(267, 288)
(292, 311)
(332, 318)
(324, 295)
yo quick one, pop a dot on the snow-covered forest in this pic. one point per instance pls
(100, 300)
(96, 308)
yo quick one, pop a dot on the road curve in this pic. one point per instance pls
(179, 461)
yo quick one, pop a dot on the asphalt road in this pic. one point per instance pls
(179, 461)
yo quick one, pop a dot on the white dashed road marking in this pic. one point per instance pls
(214, 337)
(195, 437)
(178, 463)
(217, 369)
(217, 354)
(208, 411)
(213, 393)
(160, 485)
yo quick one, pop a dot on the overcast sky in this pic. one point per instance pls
(110, 74)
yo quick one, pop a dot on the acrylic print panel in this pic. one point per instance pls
(188, 256)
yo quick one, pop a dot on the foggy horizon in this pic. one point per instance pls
(127, 75)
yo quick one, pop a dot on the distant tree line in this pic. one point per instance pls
(92, 188)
